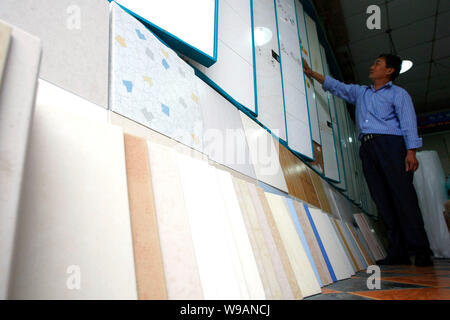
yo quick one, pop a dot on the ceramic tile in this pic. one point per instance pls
(280, 272)
(235, 30)
(5, 37)
(335, 252)
(227, 234)
(75, 42)
(83, 157)
(271, 106)
(151, 85)
(151, 284)
(292, 170)
(223, 136)
(345, 244)
(252, 277)
(424, 280)
(17, 97)
(299, 134)
(252, 221)
(308, 186)
(293, 212)
(318, 186)
(205, 212)
(368, 235)
(313, 244)
(302, 268)
(320, 243)
(364, 247)
(355, 248)
(179, 259)
(263, 154)
(280, 246)
(176, 18)
(245, 207)
(234, 52)
(315, 133)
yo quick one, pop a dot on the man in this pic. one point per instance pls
(387, 129)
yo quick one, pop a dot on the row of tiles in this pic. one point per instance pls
(66, 225)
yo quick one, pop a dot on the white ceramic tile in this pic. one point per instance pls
(223, 135)
(263, 154)
(180, 264)
(236, 31)
(192, 24)
(345, 250)
(336, 131)
(203, 203)
(233, 74)
(303, 271)
(359, 249)
(306, 53)
(17, 97)
(74, 213)
(336, 255)
(151, 84)
(242, 8)
(268, 69)
(75, 37)
(233, 71)
(253, 281)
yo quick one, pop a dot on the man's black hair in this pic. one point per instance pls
(392, 61)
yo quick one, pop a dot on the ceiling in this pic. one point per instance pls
(420, 31)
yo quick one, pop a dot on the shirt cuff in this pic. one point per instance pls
(413, 143)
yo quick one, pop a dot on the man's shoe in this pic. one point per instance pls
(393, 261)
(423, 261)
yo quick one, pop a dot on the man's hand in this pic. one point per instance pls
(411, 162)
(308, 71)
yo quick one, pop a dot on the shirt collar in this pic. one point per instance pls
(387, 85)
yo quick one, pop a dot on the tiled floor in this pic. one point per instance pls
(397, 283)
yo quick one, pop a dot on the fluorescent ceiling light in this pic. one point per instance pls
(262, 36)
(406, 65)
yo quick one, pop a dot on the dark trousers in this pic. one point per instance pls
(392, 190)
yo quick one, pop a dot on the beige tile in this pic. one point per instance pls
(180, 264)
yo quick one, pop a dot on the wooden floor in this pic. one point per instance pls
(397, 283)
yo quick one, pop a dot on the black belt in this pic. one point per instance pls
(370, 136)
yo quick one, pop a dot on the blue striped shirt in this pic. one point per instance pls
(388, 110)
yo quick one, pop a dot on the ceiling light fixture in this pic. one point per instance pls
(406, 65)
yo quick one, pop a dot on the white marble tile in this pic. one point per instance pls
(351, 243)
(302, 268)
(150, 84)
(224, 138)
(17, 101)
(180, 264)
(75, 41)
(264, 154)
(74, 214)
(203, 203)
(336, 255)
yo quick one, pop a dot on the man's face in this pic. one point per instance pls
(378, 70)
